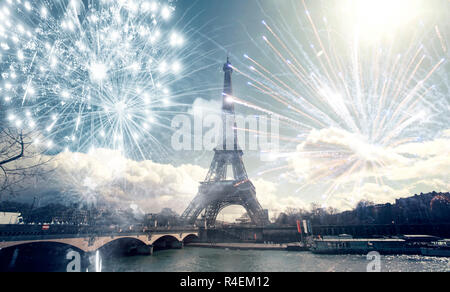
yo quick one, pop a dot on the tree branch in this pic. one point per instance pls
(22, 150)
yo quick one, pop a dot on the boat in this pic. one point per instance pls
(362, 246)
(437, 249)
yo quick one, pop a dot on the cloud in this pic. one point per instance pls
(430, 159)
(355, 169)
(370, 192)
(269, 197)
(435, 147)
(203, 107)
(105, 176)
(381, 194)
(338, 154)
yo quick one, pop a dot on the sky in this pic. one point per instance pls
(361, 90)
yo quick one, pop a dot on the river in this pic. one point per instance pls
(194, 259)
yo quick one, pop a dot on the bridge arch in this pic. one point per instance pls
(125, 246)
(167, 241)
(41, 256)
(77, 244)
(188, 238)
(32, 244)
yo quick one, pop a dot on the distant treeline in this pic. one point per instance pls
(419, 209)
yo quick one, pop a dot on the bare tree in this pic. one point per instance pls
(19, 160)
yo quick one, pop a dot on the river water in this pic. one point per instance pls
(194, 259)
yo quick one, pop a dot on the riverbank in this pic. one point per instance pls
(241, 246)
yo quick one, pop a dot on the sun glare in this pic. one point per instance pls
(382, 16)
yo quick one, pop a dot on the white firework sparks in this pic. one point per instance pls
(357, 88)
(87, 76)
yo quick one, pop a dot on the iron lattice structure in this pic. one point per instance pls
(219, 190)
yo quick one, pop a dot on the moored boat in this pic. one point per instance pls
(362, 246)
(437, 249)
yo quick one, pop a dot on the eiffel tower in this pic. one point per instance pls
(218, 191)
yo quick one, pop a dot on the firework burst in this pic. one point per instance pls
(356, 88)
(89, 74)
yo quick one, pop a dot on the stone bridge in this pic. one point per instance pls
(138, 243)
